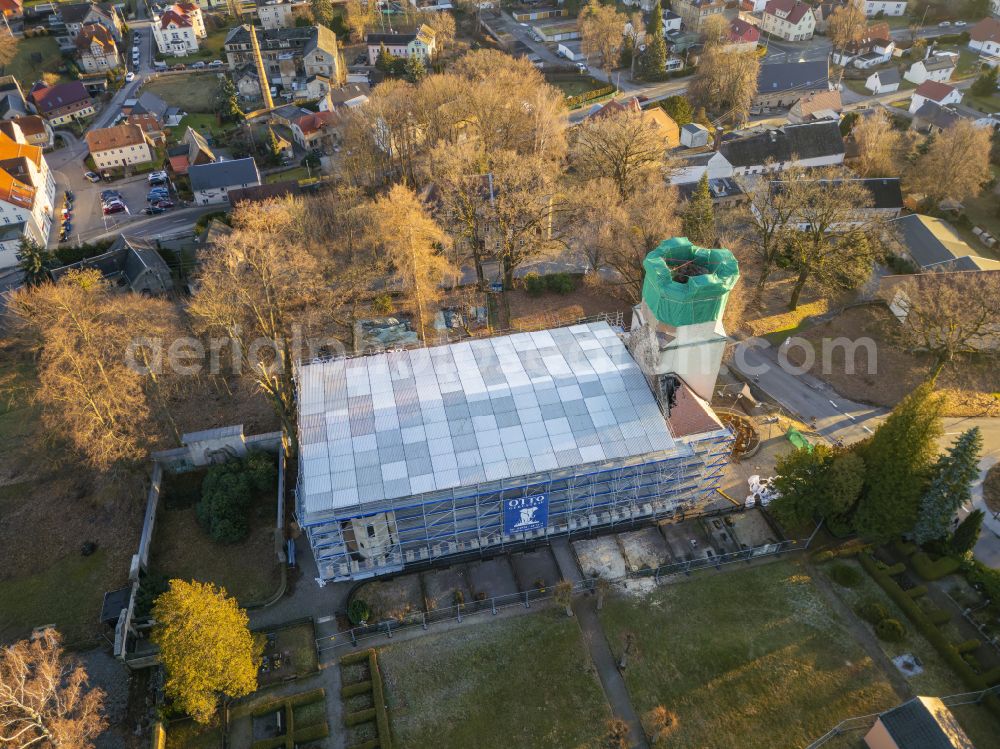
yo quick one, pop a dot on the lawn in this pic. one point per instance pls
(34, 56)
(206, 124)
(181, 549)
(187, 734)
(573, 85)
(937, 679)
(296, 173)
(192, 92)
(755, 653)
(521, 682)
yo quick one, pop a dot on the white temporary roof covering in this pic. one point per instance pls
(408, 422)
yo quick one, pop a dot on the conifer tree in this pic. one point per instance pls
(897, 461)
(654, 58)
(952, 475)
(967, 533)
(679, 109)
(698, 218)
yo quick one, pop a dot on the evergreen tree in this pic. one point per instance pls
(386, 61)
(951, 477)
(654, 27)
(414, 70)
(322, 11)
(897, 460)
(701, 117)
(841, 487)
(985, 84)
(679, 109)
(967, 533)
(654, 58)
(818, 483)
(627, 53)
(698, 217)
(229, 103)
(273, 145)
(33, 262)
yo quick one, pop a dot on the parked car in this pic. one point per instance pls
(69, 196)
(164, 204)
(944, 24)
(152, 210)
(129, 77)
(581, 67)
(68, 227)
(179, 66)
(960, 23)
(158, 176)
(198, 65)
(105, 194)
(63, 236)
(216, 64)
(114, 208)
(93, 176)
(159, 191)
(360, 60)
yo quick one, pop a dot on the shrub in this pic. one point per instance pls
(823, 556)
(917, 592)
(973, 662)
(312, 733)
(362, 687)
(968, 646)
(935, 569)
(560, 283)
(579, 100)
(938, 616)
(534, 284)
(905, 547)
(358, 611)
(361, 716)
(845, 575)
(890, 630)
(992, 676)
(872, 611)
(226, 494)
(896, 569)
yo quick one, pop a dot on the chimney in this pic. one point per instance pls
(930, 48)
(718, 139)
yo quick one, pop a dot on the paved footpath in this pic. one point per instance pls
(585, 608)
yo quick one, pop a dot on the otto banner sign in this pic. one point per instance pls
(525, 513)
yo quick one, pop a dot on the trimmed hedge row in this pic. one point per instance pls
(372, 686)
(580, 99)
(359, 656)
(370, 744)
(313, 695)
(378, 694)
(352, 690)
(312, 733)
(361, 716)
(917, 592)
(933, 635)
(292, 737)
(933, 569)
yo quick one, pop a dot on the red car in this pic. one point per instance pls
(164, 204)
(114, 208)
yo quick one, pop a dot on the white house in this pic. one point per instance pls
(995, 7)
(96, 51)
(421, 44)
(938, 68)
(885, 7)
(212, 182)
(984, 37)
(27, 194)
(281, 14)
(119, 146)
(672, 21)
(940, 93)
(883, 81)
(791, 20)
(178, 29)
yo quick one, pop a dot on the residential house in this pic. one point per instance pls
(933, 118)
(984, 37)
(865, 53)
(822, 12)
(662, 122)
(30, 129)
(725, 192)
(693, 12)
(694, 135)
(27, 197)
(62, 102)
(691, 168)
(96, 50)
(260, 193)
(292, 58)
(823, 105)
(150, 103)
(880, 8)
(12, 103)
(886, 201)
(742, 36)
(421, 44)
(348, 96)
(316, 129)
(671, 22)
(940, 93)
(918, 723)
(753, 6)
(193, 150)
(78, 15)
(287, 114)
(929, 242)
(211, 183)
(149, 124)
(13, 10)
(781, 84)
(130, 263)
(119, 146)
(282, 14)
(883, 81)
(791, 20)
(937, 67)
(178, 29)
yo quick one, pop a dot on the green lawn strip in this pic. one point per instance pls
(520, 682)
(192, 92)
(938, 678)
(67, 594)
(299, 172)
(187, 734)
(754, 653)
(28, 68)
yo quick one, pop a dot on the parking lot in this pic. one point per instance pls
(88, 215)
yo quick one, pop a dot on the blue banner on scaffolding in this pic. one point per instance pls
(525, 513)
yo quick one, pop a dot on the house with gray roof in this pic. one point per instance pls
(131, 263)
(928, 242)
(920, 723)
(781, 84)
(211, 183)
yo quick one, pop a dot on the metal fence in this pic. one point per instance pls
(495, 604)
(864, 722)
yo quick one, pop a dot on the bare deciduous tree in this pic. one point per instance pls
(443, 23)
(621, 146)
(847, 24)
(881, 148)
(8, 46)
(766, 217)
(358, 17)
(726, 83)
(602, 31)
(45, 698)
(957, 164)
(714, 30)
(412, 242)
(948, 315)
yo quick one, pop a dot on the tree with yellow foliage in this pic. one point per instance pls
(205, 647)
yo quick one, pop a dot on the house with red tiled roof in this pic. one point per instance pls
(96, 50)
(742, 36)
(30, 129)
(12, 9)
(940, 93)
(316, 128)
(791, 20)
(62, 102)
(119, 146)
(984, 37)
(27, 194)
(178, 29)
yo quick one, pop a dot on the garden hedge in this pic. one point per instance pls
(306, 698)
(933, 635)
(938, 616)
(579, 100)
(312, 733)
(381, 714)
(917, 591)
(362, 687)
(278, 742)
(370, 744)
(905, 547)
(896, 569)
(361, 716)
(890, 630)
(933, 569)
(359, 656)
(968, 646)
